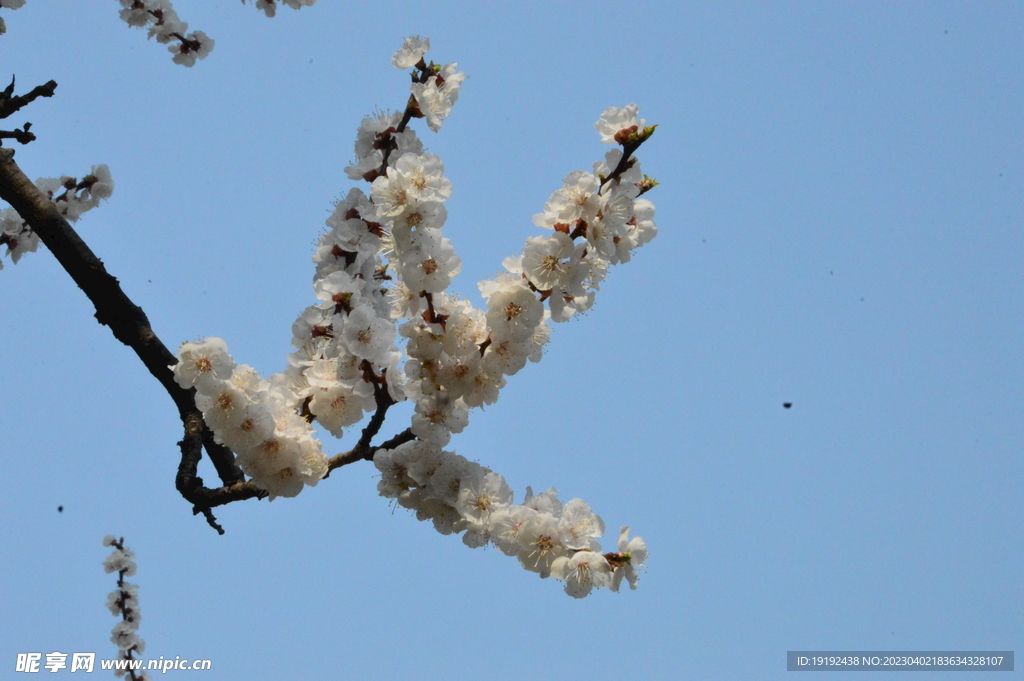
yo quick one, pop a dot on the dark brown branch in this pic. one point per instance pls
(22, 136)
(365, 453)
(114, 309)
(130, 325)
(9, 102)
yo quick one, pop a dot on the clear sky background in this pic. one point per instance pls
(840, 217)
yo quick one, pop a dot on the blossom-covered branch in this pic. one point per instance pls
(161, 21)
(385, 264)
(123, 602)
(385, 330)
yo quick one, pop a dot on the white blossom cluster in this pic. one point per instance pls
(123, 602)
(9, 4)
(162, 22)
(71, 197)
(256, 418)
(548, 537)
(384, 263)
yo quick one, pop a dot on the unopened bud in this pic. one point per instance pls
(626, 135)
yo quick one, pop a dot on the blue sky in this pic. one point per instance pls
(840, 222)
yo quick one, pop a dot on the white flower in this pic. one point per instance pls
(437, 96)
(124, 597)
(196, 45)
(254, 427)
(393, 465)
(480, 496)
(564, 304)
(579, 525)
(123, 636)
(139, 14)
(204, 364)
(421, 216)
(484, 389)
(428, 263)
(505, 357)
(422, 177)
(436, 418)
(615, 119)
(338, 407)
(339, 288)
(224, 408)
(410, 53)
(546, 260)
(365, 167)
(120, 560)
(100, 183)
(374, 134)
(539, 543)
(23, 242)
(168, 22)
(446, 480)
(366, 335)
(584, 571)
(576, 200)
(505, 525)
(545, 502)
(632, 554)
(284, 463)
(513, 310)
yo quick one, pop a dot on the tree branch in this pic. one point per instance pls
(9, 102)
(129, 324)
(363, 452)
(114, 309)
(22, 136)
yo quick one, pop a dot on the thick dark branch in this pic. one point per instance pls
(130, 325)
(114, 309)
(9, 102)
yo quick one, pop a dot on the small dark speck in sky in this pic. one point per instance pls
(60, 509)
(787, 405)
